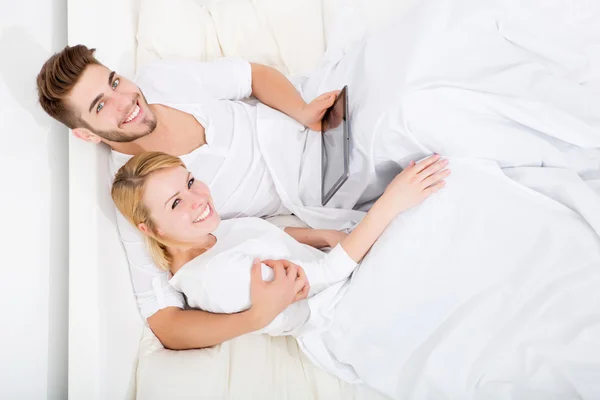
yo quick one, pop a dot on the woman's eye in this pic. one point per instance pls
(100, 106)
(115, 83)
(190, 183)
(175, 204)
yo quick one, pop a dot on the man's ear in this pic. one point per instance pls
(86, 135)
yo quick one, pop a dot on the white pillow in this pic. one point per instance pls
(287, 35)
(249, 367)
(175, 29)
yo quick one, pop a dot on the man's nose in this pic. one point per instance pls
(123, 102)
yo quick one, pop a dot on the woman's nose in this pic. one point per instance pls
(197, 204)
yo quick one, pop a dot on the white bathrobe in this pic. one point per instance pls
(219, 280)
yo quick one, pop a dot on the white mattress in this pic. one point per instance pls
(104, 324)
(249, 367)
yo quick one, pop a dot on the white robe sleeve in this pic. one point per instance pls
(226, 289)
(226, 284)
(332, 268)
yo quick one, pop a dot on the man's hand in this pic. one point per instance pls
(313, 112)
(269, 299)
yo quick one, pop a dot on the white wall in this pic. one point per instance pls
(33, 208)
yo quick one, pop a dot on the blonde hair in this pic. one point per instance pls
(128, 190)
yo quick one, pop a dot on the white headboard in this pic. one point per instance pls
(104, 323)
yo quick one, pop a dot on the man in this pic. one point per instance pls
(101, 106)
(454, 84)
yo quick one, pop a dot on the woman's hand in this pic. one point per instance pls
(409, 188)
(416, 183)
(269, 299)
(301, 284)
(312, 113)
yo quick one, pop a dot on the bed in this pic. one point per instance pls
(524, 335)
(112, 354)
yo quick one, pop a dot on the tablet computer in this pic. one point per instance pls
(335, 149)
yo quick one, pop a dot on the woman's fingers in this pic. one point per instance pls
(435, 178)
(292, 272)
(256, 271)
(300, 284)
(432, 189)
(278, 270)
(423, 164)
(302, 274)
(432, 169)
(302, 294)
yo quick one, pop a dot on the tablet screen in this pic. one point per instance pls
(334, 126)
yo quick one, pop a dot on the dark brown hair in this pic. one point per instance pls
(56, 79)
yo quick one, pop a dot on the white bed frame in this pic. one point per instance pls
(104, 323)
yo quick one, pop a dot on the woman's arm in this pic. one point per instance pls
(272, 88)
(179, 329)
(317, 238)
(409, 188)
(412, 186)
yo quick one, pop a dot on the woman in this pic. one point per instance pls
(210, 258)
(486, 288)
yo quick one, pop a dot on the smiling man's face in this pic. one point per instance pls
(112, 107)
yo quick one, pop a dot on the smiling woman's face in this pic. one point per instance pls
(180, 207)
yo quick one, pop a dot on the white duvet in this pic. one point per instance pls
(489, 290)
(486, 290)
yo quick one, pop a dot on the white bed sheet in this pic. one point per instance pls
(249, 367)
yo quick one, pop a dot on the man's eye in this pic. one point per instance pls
(115, 83)
(100, 106)
(190, 183)
(175, 204)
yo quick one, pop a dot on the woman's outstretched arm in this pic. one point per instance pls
(409, 188)
(317, 238)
